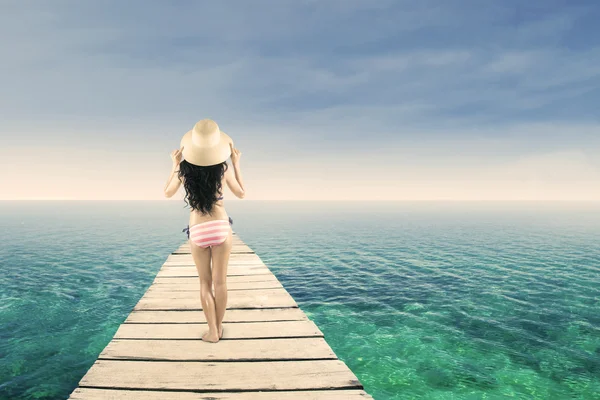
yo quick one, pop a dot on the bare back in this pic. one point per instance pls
(218, 211)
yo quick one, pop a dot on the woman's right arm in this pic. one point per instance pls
(234, 181)
(238, 178)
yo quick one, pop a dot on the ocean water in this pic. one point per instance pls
(422, 301)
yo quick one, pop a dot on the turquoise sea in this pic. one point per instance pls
(421, 300)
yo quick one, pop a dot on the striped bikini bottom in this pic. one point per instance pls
(209, 233)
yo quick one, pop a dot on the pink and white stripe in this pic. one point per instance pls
(210, 233)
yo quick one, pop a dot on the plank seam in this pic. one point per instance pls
(214, 390)
(193, 276)
(199, 309)
(229, 290)
(237, 360)
(233, 252)
(266, 280)
(225, 322)
(223, 338)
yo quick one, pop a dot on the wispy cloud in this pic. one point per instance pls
(296, 79)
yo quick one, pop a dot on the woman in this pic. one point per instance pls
(203, 171)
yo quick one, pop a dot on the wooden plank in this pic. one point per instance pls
(269, 277)
(183, 260)
(239, 330)
(235, 246)
(195, 286)
(191, 271)
(247, 315)
(191, 260)
(238, 294)
(230, 266)
(234, 254)
(236, 299)
(186, 246)
(215, 375)
(195, 294)
(232, 263)
(240, 248)
(230, 350)
(235, 243)
(233, 249)
(104, 394)
(236, 251)
(232, 258)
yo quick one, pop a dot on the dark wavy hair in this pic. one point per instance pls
(202, 184)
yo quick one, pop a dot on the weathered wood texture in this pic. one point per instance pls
(270, 349)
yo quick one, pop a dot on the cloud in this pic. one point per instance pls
(82, 59)
(436, 88)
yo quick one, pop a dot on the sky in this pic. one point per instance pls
(459, 100)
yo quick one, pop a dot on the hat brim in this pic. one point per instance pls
(205, 156)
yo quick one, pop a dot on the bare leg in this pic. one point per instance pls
(202, 259)
(220, 260)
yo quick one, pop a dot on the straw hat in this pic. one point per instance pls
(206, 144)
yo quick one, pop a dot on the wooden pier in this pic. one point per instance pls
(270, 350)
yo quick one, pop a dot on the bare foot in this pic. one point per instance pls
(210, 337)
(221, 331)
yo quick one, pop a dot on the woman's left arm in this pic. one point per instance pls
(173, 184)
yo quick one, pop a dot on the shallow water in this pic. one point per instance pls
(433, 300)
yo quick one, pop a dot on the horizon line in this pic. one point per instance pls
(343, 200)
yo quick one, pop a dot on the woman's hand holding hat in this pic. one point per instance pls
(235, 154)
(176, 156)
